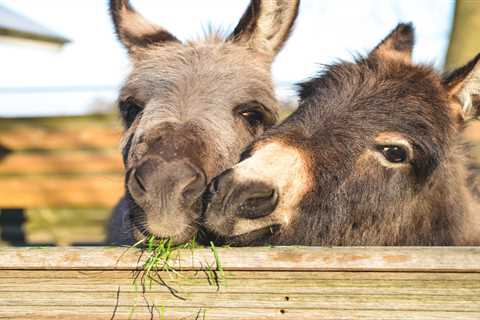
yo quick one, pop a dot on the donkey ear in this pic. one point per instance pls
(133, 30)
(266, 25)
(398, 45)
(464, 85)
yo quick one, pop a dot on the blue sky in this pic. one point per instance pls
(94, 65)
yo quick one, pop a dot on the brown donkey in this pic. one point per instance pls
(189, 109)
(373, 156)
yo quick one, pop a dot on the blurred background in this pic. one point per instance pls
(61, 67)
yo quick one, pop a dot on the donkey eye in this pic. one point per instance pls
(130, 109)
(394, 154)
(253, 117)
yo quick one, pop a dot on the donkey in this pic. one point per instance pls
(188, 110)
(373, 156)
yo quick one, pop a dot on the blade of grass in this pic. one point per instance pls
(218, 262)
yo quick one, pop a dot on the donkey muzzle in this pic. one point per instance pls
(154, 183)
(230, 201)
(166, 180)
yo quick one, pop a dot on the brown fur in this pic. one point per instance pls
(347, 115)
(189, 108)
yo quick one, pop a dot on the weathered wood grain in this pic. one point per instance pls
(247, 300)
(61, 162)
(321, 283)
(124, 313)
(100, 276)
(258, 283)
(32, 138)
(21, 165)
(96, 191)
(434, 259)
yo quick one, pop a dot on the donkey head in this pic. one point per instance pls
(189, 108)
(370, 157)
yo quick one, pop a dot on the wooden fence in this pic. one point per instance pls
(54, 167)
(252, 283)
(60, 163)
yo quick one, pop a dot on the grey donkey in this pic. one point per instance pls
(189, 109)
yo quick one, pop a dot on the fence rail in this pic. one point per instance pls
(252, 283)
(60, 163)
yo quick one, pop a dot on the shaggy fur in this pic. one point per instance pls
(355, 196)
(189, 108)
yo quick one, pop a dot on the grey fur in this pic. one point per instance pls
(193, 92)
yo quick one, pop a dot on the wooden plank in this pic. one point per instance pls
(77, 132)
(73, 162)
(236, 282)
(434, 259)
(97, 191)
(124, 313)
(330, 295)
(246, 300)
(61, 162)
(287, 283)
(31, 138)
(71, 277)
(106, 120)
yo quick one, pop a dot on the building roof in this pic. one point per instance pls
(15, 25)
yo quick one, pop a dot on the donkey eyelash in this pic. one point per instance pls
(131, 101)
(251, 106)
(130, 109)
(255, 114)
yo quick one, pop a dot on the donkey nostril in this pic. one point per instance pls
(259, 202)
(213, 188)
(144, 174)
(223, 179)
(139, 181)
(195, 187)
